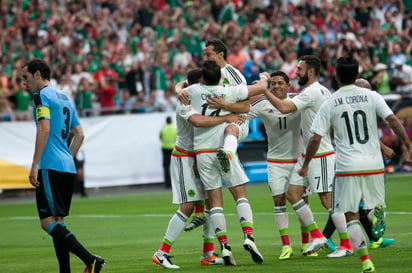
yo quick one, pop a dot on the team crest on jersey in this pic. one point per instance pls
(225, 81)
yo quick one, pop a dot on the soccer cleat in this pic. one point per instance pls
(197, 221)
(96, 266)
(304, 247)
(224, 160)
(368, 267)
(382, 242)
(212, 260)
(250, 246)
(340, 252)
(164, 261)
(330, 247)
(315, 245)
(378, 222)
(287, 253)
(228, 256)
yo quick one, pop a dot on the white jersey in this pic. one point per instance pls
(231, 76)
(184, 130)
(308, 102)
(282, 130)
(211, 137)
(352, 111)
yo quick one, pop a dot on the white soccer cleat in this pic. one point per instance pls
(340, 252)
(164, 261)
(228, 257)
(250, 246)
(315, 245)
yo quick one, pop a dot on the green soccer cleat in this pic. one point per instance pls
(368, 267)
(286, 254)
(382, 242)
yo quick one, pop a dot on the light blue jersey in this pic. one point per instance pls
(53, 104)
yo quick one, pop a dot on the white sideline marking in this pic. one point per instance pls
(118, 216)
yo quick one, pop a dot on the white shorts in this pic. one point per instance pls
(348, 191)
(278, 177)
(211, 173)
(320, 174)
(186, 187)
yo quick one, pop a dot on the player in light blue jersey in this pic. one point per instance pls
(53, 171)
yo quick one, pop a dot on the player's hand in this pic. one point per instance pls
(183, 97)
(303, 171)
(233, 118)
(216, 102)
(33, 177)
(387, 152)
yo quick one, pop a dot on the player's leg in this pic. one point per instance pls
(174, 229)
(278, 177)
(296, 189)
(321, 176)
(236, 181)
(52, 211)
(233, 134)
(348, 192)
(374, 242)
(186, 190)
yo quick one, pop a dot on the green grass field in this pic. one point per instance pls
(127, 229)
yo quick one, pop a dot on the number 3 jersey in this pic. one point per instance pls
(54, 105)
(352, 112)
(211, 138)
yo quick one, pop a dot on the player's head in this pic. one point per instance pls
(34, 73)
(347, 70)
(279, 84)
(169, 120)
(308, 69)
(215, 50)
(363, 83)
(211, 73)
(194, 76)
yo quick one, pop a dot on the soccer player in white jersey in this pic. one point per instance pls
(186, 187)
(284, 147)
(352, 111)
(320, 177)
(216, 50)
(207, 141)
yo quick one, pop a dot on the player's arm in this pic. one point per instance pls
(284, 106)
(399, 130)
(198, 120)
(77, 140)
(42, 135)
(311, 150)
(218, 102)
(258, 88)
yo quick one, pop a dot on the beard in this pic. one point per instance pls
(304, 80)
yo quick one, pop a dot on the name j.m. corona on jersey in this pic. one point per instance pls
(351, 100)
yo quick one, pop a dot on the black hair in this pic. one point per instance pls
(35, 65)
(347, 69)
(211, 73)
(312, 61)
(218, 46)
(194, 75)
(280, 74)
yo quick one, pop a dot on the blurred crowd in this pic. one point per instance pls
(124, 56)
